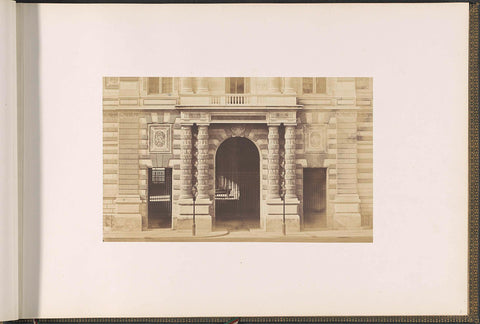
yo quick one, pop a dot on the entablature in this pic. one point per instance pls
(243, 115)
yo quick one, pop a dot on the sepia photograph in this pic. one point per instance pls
(286, 159)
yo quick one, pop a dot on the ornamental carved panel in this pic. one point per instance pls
(238, 130)
(282, 117)
(194, 117)
(315, 138)
(160, 138)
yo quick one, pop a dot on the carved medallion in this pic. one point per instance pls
(315, 138)
(159, 138)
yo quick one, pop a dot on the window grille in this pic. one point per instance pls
(362, 83)
(158, 175)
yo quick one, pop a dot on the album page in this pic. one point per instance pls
(385, 83)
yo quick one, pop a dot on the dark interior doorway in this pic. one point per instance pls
(314, 197)
(159, 198)
(237, 185)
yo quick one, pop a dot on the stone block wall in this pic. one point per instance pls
(323, 156)
(365, 152)
(346, 112)
(126, 160)
(110, 167)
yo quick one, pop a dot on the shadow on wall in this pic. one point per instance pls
(30, 153)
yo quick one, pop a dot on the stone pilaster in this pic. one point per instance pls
(128, 217)
(201, 85)
(274, 84)
(347, 202)
(288, 86)
(186, 85)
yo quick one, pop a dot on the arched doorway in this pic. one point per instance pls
(237, 185)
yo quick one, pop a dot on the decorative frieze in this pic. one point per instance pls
(287, 117)
(192, 117)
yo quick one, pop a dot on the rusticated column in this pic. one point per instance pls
(273, 163)
(186, 163)
(201, 85)
(281, 214)
(202, 146)
(290, 162)
(186, 85)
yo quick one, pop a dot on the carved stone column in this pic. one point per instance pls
(186, 163)
(288, 86)
(186, 85)
(273, 163)
(201, 85)
(202, 162)
(290, 184)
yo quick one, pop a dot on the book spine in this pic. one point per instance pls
(9, 276)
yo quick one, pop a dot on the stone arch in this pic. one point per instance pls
(257, 134)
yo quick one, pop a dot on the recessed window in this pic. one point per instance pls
(314, 85)
(167, 85)
(236, 85)
(160, 85)
(362, 83)
(153, 85)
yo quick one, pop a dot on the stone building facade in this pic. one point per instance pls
(267, 149)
